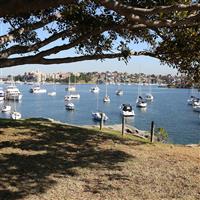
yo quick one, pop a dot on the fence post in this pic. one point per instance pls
(152, 131)
(101, 122)
(123, 124)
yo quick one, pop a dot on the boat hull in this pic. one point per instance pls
(14, 97)
(16, 115)
(97, 116)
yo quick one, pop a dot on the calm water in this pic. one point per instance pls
(169, 109)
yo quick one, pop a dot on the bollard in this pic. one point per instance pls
(101, 122)
(152, 132)
(123, 124)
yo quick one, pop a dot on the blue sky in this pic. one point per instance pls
(137, 64)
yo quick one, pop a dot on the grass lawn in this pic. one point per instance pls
(41, 160)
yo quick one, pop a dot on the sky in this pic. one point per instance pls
(140, 64)
(137, 64)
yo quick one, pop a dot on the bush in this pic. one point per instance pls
(161, 135)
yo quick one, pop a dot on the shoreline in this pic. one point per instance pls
(131, 130)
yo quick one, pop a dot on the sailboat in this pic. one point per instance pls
(53, 93)
(140, 102)
(192, 98)
(70, 88)
(75, 95)
(149, 96)
(72, 95)
(106, 98)
(97, 115)
(15, 115)
(119, 91)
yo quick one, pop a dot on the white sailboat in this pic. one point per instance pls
(97, 115)
(53, 93)
(140, 102)
(106, 98)
(15, 115)
(192, 98)
(149, 96)
(70, 88)
(119, 91)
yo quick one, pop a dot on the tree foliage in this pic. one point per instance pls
(37, 33)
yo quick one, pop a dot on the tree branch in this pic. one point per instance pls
(17, 32)
(38, 60)
(20, 7)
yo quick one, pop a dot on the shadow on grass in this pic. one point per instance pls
(49, 149)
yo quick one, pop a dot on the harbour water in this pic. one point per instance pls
(169, 109)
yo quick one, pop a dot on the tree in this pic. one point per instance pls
(37, 33)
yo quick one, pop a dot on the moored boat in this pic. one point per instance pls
(52, 93)
(15, 115)
(2, 94)
(37, 90)
(95, 89)
(141, 103)
(127, 110)
(12, 93)
(98, 115)
(70, 106)
(6, 108)
(119, 92)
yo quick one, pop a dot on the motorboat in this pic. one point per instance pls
(2, 94)
(12, 93)
(196, 102)
(70, 106)
(68, 98)
(141, 103)
(52, 93)
(119, 92)
(196, 108)
(95, 89)
(127, 110)
(149, 97)
(97, 116)
(106, 99)
(15, 115)
(191, 100)
(6, 108)
(37, 90)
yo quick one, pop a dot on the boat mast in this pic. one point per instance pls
(97, 101)
(69, 80)
(106, 86)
